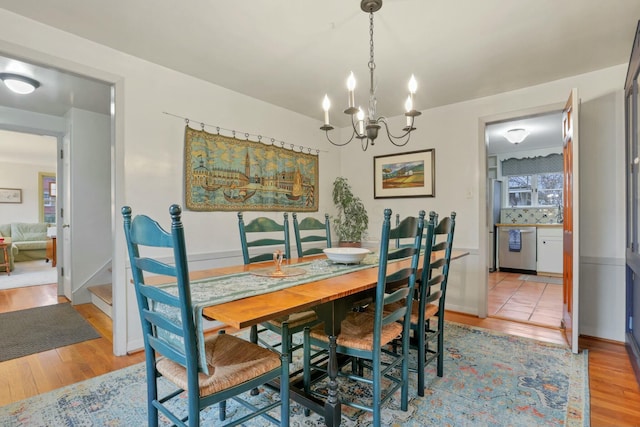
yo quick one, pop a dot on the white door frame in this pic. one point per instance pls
(119, 310)
(483, 292)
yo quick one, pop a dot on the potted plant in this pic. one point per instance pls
(352, 220)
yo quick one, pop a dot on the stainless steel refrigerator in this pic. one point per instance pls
(495, 204)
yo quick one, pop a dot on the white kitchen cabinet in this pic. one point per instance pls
(549, 250)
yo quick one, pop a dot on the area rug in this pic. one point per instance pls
(490, 380)
(39, 329)
(29, 273)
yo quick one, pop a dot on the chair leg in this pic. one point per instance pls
(284, 376)
(440, 346)
(377, 422)
(253, 337)
(222, 412)
(404, 393)
(421, 356)
(306, 371)
(152, 393)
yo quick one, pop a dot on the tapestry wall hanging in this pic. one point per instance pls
(230, 174)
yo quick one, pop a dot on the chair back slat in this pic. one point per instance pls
(404, 230)
(156, 267)
(147, 232)
(167, 350)
(314, 231)
(263, 225)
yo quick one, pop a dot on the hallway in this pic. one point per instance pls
(525, 298)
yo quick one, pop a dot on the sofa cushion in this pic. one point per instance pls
(21, 231)
(30, 245)
(5, 230)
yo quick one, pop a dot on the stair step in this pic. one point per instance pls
(102, 297)
(104, 292)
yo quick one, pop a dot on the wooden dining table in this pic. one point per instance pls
(331, 298)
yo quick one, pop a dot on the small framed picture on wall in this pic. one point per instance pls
(10, 195)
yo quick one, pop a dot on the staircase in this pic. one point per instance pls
(102, 297)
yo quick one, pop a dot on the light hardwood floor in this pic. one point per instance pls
(615, 394)
(537, 300)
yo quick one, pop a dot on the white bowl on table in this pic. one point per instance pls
(345, 255)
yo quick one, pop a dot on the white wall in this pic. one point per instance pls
(453, 131)
(148, 167)
(24, 177)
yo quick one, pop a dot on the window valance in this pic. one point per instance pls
(533, 165)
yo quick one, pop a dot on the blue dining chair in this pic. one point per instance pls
(427, 316)
(286, 326)
(311, 229)
(265, 231)
(233, 365)
(365, 335)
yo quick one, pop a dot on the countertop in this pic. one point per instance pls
(554, 225)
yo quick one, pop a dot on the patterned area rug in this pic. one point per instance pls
(490, 379)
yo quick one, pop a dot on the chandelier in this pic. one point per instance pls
(366, 129)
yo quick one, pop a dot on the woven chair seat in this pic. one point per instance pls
(357, 332)
(231, 361)
(429, 311)
(296, 319)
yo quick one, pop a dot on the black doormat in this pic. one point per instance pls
(39, 329)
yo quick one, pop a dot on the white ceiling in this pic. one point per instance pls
(23, 148)
(290, 53)
(545, 132)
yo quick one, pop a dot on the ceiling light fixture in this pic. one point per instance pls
(516, 136)
(19, 84)
(366, 130)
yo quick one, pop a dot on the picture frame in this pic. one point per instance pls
(10, 195)
(411, 174)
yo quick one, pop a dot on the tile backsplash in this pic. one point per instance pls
(530, 215)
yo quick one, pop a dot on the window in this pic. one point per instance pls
(549, 189)
(520, 190)
(534, 181)
(47, 198)
(544, 189)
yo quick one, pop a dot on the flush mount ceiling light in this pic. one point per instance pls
(516, 136)
(19, 84)
(366, 128)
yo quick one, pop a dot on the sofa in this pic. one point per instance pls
(28, 241)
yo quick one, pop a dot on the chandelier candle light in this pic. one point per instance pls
(366, 130)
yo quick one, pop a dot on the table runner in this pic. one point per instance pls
(220, 289)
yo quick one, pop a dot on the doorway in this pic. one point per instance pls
(521, 198)
(78, 111)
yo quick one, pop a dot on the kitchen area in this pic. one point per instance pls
(530, 248)
(525, 193)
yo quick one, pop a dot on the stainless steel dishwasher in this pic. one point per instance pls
(517, 249)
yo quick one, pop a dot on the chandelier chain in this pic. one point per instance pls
(372, 63)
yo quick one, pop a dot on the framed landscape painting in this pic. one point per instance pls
(410, 174)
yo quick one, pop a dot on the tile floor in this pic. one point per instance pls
(538, 302)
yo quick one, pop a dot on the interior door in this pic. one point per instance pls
(570, 246)
(65, 216)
